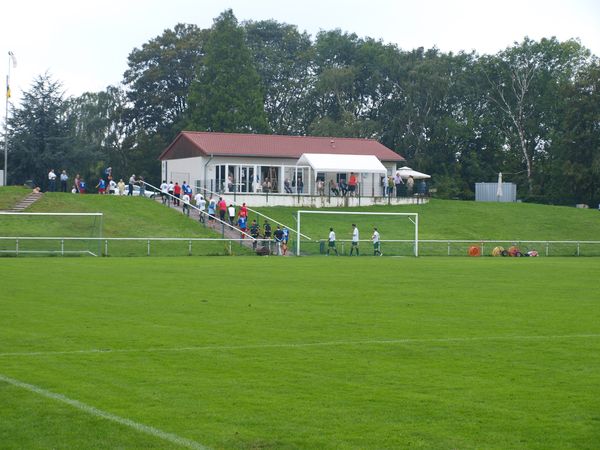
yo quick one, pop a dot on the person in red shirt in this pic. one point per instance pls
(243, 211)
(352, 184)
(176, 193)
(222, 207)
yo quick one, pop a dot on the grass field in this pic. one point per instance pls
(316, 353)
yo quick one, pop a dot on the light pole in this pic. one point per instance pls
(13, 60)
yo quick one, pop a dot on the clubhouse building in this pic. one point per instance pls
(283, 170)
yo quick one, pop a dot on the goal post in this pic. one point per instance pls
(50, 233)
(397, 230)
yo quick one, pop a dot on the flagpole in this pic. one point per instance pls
(13, 60)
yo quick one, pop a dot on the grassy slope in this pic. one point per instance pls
(448, 219)
(488, 353)
(440, 219)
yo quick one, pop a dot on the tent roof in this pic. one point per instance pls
(406, 172)
(328, 162)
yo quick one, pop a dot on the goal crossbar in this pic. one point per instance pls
(364, 213)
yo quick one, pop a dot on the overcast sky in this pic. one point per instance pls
(85, 44)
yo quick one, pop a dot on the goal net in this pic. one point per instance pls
(23, 233)
(398, 233)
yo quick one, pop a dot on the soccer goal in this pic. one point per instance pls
(23, 233)
(398, 232)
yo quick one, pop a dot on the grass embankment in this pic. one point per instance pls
(317, 353)
(439, 219)
(451, 219)
(123, 217)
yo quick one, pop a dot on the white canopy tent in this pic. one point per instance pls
(342, 163)
(406, 172)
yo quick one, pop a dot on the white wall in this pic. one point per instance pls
(202, 169)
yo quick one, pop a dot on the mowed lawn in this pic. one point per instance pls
(316, 353)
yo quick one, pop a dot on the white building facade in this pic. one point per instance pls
(272, 170)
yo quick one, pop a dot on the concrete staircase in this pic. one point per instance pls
(26, 202)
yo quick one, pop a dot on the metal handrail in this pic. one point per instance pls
(291, 229)
(202, 212)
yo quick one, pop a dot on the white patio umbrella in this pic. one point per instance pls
(406, 172)
(499, 189)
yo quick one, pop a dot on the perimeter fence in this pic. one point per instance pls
(149, 246)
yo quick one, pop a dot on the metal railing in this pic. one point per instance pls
(157, 246)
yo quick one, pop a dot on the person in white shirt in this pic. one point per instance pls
(331, 245)
(201, 204)
(354, 240)
(112, 187)
(376, 243)
(51, 181)
(164, 192)
(231, 212)
(186, 204)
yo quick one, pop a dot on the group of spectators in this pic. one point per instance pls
(106, 184)
(403, 188)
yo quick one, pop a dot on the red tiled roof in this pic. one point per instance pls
(189, 144)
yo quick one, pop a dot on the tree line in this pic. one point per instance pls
(531, 111)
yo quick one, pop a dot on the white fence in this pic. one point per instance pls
(65, 246)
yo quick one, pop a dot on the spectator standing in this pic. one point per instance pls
(212, 209)
(398, 183)
(201, 204)
(131, 183)
(244, 210)
(390, 186)
(242, 225)
(186, 204)
(176, 194)
(164, 192)
(300, 185)
(51, 181)
(410, 183)
(267, 230)
(352, 184)
(320, 187)
(222, 208)
(142, 184)
(63, 181)
(121, 186)
(187, 189)
(112, 186)
(77, 182)
(231, 212)
(171, 191)
(354, 240)
(331, 242)
(254, 232)
(101, 186)
(82, 186)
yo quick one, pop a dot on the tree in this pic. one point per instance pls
(227, 95)
(283, 59)
(41, 136)
(523, 83)
(159, 78)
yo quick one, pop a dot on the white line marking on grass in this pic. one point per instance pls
(173, 438)
(302, 344)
